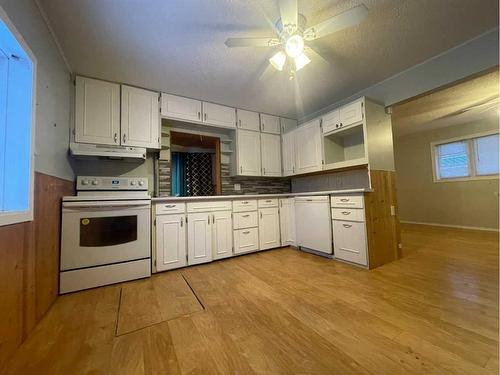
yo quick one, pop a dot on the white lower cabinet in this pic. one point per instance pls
(269, 228)
(222, 231)
(349, 241)
(170, 242)
(287, 221)
(246, 240)
(199, 238)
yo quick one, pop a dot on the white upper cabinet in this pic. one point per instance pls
(247, 120)
(170, 242)
(308, 150)
(219, 115)
(270, 145)
(178, 107)
(269, 124)
(287, 125)
(97, 112)
(288, 153)
(351, 113)
(140, 120)
(222, 234)
(248, 153)
(331, 121)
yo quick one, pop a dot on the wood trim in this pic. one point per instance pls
(218, 183)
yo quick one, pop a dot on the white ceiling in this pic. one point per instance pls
(465, 102)
(177, 46)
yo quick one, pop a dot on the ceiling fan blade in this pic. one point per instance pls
(251, 42)
(339, 22)
(289, 15)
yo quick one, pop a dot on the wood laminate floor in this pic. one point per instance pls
(287, 312)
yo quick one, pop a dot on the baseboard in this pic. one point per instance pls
(450, 226)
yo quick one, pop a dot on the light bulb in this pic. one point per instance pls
(294, 46)
(278, 60)
(301, 61)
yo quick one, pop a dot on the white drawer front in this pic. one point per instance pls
(271, 202)
(349, 241)
(246, 240)
(243, 220)
(355, 214)
(244, 205)
(209, 206)
(170, 208)
(352, 201)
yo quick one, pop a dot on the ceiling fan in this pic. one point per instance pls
(293, 35)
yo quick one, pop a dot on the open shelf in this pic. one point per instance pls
(346, 147)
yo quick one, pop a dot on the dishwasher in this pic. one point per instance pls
(313, 224)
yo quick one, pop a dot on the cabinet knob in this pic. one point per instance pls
(124, 138)
(205, 116)
(199, 116)
(347, 225)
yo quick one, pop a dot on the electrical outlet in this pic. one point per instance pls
(393, 211)
(237, 187)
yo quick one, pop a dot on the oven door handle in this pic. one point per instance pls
(108, 204)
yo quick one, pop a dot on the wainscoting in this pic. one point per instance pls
(29, 263)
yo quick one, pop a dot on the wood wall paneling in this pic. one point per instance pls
(29, 265)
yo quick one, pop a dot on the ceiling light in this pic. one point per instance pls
(301, 61)
(278, 60)
(294, 46)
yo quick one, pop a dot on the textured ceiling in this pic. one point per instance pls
(462, 103)
(177, 46)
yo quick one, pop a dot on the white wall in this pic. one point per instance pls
(52, 119)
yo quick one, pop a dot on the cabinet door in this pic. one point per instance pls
(270, 146)
(222, 227)
(351, 113)
(269, 228)
(288, 152)
(287, 125)
(199, 238)
(180, 108)
(308, 148)
(248, 153)
(247, 120)
(349, 241)
(140, 121)
(219, 115)
(170, 242)
(331, 121)
(287, 221)
(97, 112)
(269, 124)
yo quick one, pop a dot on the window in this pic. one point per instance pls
(17, 66)
(473, 157)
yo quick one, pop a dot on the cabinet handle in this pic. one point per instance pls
(264, 170)
(205, 116)
(245, 202)
(239, 122)
(344, 199)
(347, 225)
(182, 221)
(268, 200)
(245, 216)
(199, 115)
(261, 214)
(170, 206)
(293, 169)
(346, 212)
(263, 126)
(116, 137)
(341, 124)
(124, 138)
(246, 232)
(208, 219)
(213, 219)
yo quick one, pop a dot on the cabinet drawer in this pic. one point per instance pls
(272, 202)
(352, 201)
(244, 205)
(242, 220)
(356, 214)
(209, 206)
(246, 240)
(349, 241)
(170, 208)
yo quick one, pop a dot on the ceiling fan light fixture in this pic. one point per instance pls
(278, 60)
(294, 46)
(301, 61)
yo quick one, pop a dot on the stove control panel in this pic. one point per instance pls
(111, 183)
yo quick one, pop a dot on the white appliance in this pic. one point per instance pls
(313, 224)
(105, 235)
(91, 151)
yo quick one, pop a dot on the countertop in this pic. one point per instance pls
(257, 196)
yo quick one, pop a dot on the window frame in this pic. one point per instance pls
(15, 217)
(471, 154)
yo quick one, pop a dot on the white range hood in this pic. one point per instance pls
(90, 151)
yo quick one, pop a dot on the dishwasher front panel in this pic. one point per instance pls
(314, 223)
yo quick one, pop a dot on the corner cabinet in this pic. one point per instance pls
(97, 112)
(270, 146)
(287, 221)
(140, 118)
(309, 148)
(248, 161)
(170, 242)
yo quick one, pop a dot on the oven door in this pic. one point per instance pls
(97, 233)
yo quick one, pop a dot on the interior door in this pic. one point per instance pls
(287, 222)
(308, 148)
(222, 234)
(180, 108)
(288, 153)
(269, 228)
(270, 154)
(97, 112)
(199, 238)
(140, 121)
(170, 242)
(248, 153)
